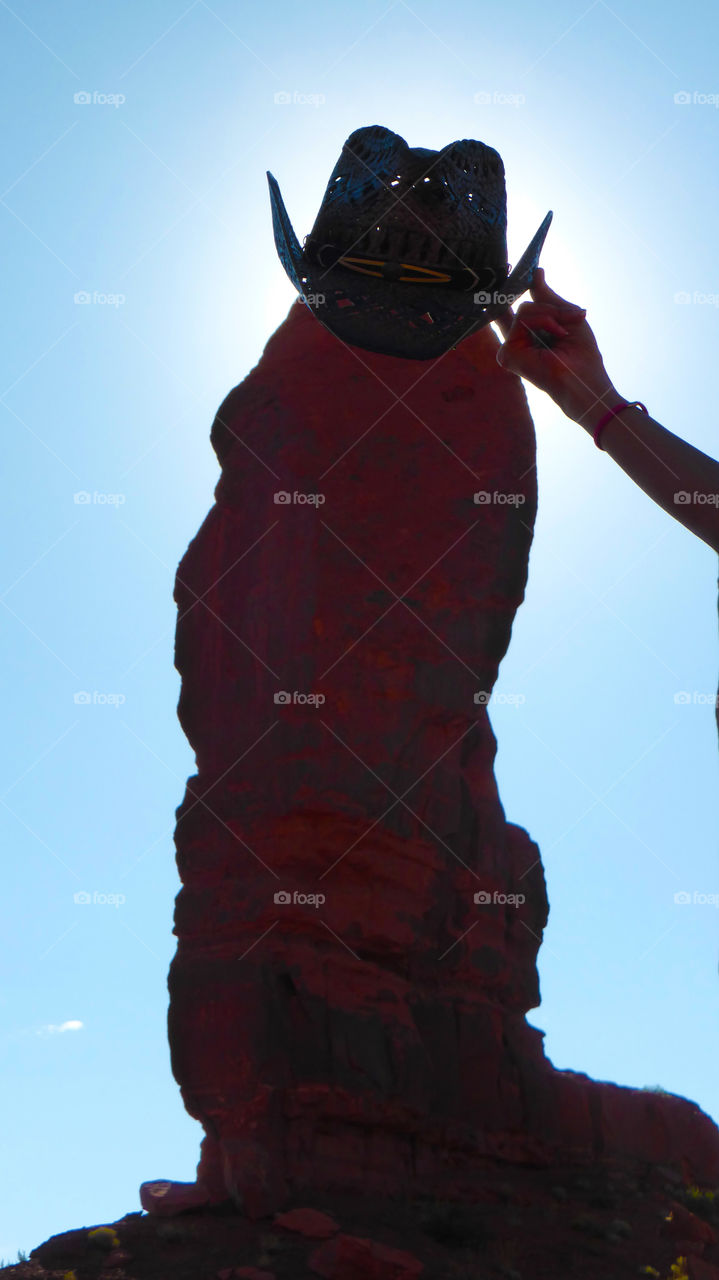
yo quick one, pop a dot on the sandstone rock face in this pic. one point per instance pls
(351, 1258)
(307, 1222)
(343, 1013)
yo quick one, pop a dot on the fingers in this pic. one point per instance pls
(531, 316)
(542, 296)
(536, 326)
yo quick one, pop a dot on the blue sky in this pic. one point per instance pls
(151, 198)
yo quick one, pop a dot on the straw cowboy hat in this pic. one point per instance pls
(408, 253)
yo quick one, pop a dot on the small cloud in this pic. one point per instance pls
(64, 1026)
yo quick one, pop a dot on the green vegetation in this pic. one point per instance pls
(704, 1203)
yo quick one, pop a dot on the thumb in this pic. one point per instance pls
(541, 292)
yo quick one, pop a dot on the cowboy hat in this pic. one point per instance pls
(408, 253)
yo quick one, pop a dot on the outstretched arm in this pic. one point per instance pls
(549, 342)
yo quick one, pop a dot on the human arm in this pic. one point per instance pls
(564, 360)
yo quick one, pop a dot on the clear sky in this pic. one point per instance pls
(151, 198)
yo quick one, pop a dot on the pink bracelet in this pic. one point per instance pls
(625, 404)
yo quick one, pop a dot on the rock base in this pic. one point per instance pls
(597, 1221)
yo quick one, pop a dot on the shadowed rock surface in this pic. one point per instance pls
(375, 1042)
(582, 1222)
(368, 1055)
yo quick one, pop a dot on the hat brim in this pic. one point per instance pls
(412, 321)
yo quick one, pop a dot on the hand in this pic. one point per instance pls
(549, 343)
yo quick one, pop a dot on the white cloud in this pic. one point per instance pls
(64, 1026)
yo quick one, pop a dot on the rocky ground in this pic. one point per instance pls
(596, 1223)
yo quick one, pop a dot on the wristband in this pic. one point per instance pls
(625, 404)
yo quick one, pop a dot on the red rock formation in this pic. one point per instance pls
(374, 1041)
(351, 1258)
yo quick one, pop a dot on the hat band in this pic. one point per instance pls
(410, 272)
(392, 272)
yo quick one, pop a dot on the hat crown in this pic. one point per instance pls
(437, 208)
(408, 253)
